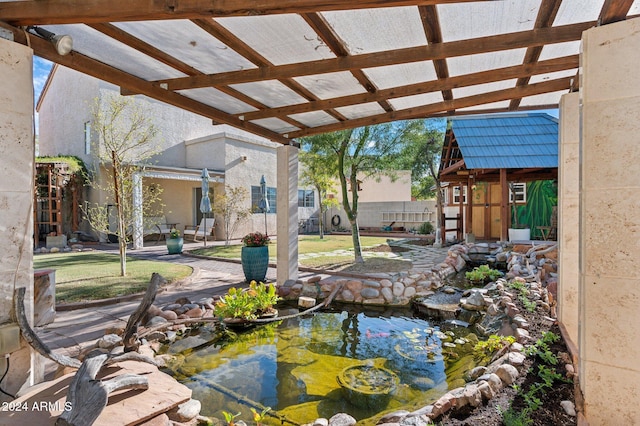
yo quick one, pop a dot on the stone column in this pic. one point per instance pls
(16, 199)
(569, 212)
(287, 217)
(610, 223)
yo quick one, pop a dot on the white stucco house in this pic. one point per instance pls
(188, 143)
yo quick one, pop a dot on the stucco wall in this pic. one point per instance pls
(16, 202)
(609, 223)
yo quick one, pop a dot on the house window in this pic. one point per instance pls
(256, 196)
(306, 198)
(456, 195)
(87, 137)
(520, 192)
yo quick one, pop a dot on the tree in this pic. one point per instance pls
(316, 175)
(421, 154)
(231, 205)
(356, 153)
(126, 141)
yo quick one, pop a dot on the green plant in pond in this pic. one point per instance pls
(494, 343)
(264, 296)
(247, 304)
(259, 417)
(230, 417)
(483, 273)
(236, 304)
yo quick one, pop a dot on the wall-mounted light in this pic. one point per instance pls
(62, 43)
(243, 158)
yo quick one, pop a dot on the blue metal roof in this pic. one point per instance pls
(527, 140)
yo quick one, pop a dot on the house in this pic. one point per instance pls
(482, 157)
(188, 143)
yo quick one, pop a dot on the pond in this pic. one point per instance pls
(292, 365)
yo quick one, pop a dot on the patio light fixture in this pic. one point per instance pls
(62, 43)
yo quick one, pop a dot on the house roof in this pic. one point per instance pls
(524, 143)
(287, 69)
(509, 142)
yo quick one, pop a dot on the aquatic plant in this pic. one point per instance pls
(483, 273)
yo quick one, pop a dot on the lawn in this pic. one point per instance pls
(308, 244)
(96, 275)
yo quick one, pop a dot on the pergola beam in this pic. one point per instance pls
(523, 39)
(131, 83)
(445, 84)
(94, 11)
(428, 110)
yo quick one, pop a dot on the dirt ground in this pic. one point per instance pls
(550, 411)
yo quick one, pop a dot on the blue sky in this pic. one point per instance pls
(41, 68)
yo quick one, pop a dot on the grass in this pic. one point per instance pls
(96, 275)
(306, 244)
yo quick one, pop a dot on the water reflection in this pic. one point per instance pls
(291, 366)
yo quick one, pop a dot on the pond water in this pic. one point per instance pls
(292, 365)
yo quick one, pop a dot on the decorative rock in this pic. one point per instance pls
(171, 307)
(472, 396)
(476, 372)
(376, 301)
(186, 411)
(169, 315)
(157, 320)
(387, 294)
(522, 335)
(386, 283)
(442, 405)
(371, 283)
(306, 302)
(568, 408)
(507, 373)
(194, 313)
(415, 421)
(486, 391)
(370, 293)
(342, 419)
(153, 311)
(348, 296)
(394, 417)
(409, 292)
(354, 285)
(321, 422)
(398, 289)
(109, 341)
(516, 358)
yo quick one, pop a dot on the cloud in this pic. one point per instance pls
(41, 69)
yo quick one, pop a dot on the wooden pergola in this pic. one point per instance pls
(288, 69)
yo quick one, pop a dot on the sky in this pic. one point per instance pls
(41, 68)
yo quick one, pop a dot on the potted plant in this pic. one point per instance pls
(239, 307)
(255, 256)
(517, 231)
(174, 242)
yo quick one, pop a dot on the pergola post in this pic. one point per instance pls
(504, 206)
(287, 218)
(138, 235)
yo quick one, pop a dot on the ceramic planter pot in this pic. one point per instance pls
(174, 245)
(255, 261)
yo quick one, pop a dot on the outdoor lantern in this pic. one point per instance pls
(62, 43)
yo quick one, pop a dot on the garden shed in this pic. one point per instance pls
(483, 157)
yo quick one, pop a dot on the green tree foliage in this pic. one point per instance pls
(322, 179)
(420, 153)
(232, 207)
(126, 142)
(356, 153)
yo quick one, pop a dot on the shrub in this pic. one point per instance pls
(426, 228)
